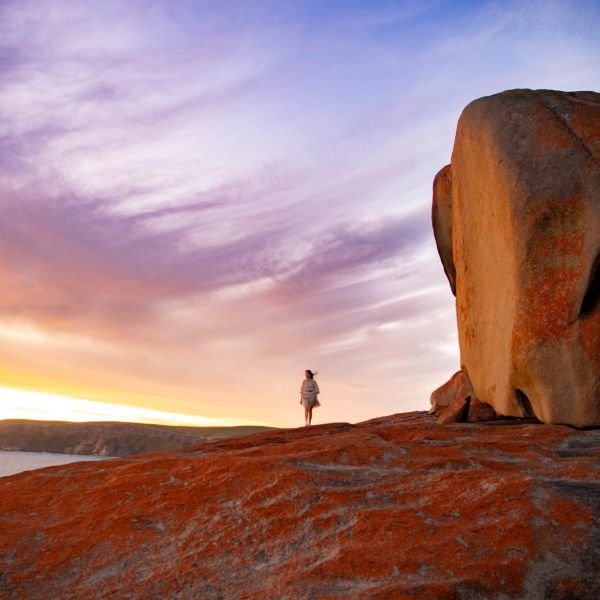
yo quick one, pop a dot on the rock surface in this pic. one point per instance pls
(441, 217)
(107, 438)
(480, 411)
(456, 412)
(396, 507)
(457, 387)
(520, 204)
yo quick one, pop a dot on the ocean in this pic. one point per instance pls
(12, 462)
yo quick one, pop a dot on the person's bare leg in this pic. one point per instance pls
(310, 415)
(306, 413)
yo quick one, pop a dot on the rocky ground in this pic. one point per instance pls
(397, 507)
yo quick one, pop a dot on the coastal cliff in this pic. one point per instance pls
(108, 438)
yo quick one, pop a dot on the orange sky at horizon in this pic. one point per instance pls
(72, 378)
(48, 391)
(43, 406)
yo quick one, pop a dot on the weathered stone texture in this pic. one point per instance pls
(523, 198)
(396, 507)
(458, 386)
(456, 412)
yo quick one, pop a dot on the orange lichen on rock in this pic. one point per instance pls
(397, 507)
(516, 217)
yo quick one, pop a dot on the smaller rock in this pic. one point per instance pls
(481, 411)
(458, 386)
(456, 412)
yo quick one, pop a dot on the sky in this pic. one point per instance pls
(200, 200)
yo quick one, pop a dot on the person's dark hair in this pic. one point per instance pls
(310, 373)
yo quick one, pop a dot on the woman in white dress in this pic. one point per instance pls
(308, 395)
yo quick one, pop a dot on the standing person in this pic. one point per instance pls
(308, 395)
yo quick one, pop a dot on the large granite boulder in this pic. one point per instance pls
(517, 223)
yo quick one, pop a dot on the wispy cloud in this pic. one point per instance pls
(201, 200)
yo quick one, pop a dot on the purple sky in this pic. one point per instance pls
(202, 199)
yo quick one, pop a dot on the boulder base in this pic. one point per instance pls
(458, 386)
(456, 412)
(480, 411)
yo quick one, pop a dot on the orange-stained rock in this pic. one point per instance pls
(480, 411)
(456, 412)
(458, 386)
(523, 198)
(394, 508)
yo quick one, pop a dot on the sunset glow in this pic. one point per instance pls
(201, 200)
(22, 404)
